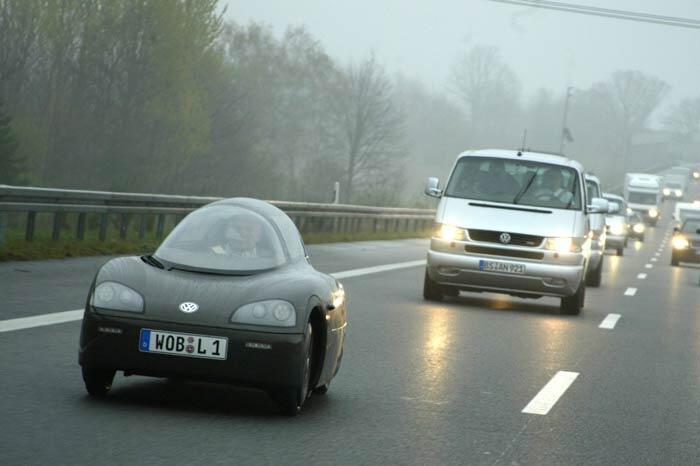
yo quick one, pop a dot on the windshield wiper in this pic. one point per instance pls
(522, 192)
(150, 260)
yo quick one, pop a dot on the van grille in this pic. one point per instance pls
(506, 252)
(516, 239)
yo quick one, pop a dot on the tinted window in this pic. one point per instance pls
(592, 190)
(514, 181)
(223, 238)
(642, 198)
(691, 226)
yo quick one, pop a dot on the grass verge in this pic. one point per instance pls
(20, 250)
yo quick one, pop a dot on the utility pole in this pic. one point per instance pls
(569, 93)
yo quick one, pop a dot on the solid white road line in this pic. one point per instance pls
(648, 266)
(550, 393)
(630, 291)
(610, 321)
(69, 316)
(377, 269)
(40, 320)
(642, 276)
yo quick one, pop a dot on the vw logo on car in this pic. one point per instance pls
(189, 307)
(504, 238)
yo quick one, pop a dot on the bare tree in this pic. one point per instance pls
(370, 124)
(630, 97)
(684, 118)
(489, 90)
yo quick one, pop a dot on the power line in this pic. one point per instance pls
(626, 15)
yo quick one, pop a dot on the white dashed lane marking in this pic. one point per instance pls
(630, 291)
(610, 321)
(550, 393)
(642, 276)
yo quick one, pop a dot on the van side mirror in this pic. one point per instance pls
(598, 205)
(613, 208)
(432, 187)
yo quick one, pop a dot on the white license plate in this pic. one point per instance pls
(502, 267)
(182, 344)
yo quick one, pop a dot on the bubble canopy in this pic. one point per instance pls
(227, 238)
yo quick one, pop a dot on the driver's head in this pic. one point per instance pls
(552, 179)
(243, 230)
(497, 166)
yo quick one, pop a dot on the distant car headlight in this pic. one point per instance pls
(116, 297)
(450, 233)
(653, 213)
(680, 242)
(272, 313)
(667, 192)
(696, 175)
(679, 193)
(563, 244)
(617, 229)
(638, 228)
(629, 211)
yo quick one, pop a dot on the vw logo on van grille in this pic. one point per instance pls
(504, 238)
(188, 307)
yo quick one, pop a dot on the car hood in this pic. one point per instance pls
(466, 213)
(217, 296)
(615, 220)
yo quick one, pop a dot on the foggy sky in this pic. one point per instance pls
(546, 48)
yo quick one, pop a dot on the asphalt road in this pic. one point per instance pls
(421, 383)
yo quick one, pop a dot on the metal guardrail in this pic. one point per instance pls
(145, 209)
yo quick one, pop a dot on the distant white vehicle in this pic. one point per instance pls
(674, 186)
(684, 210)
(643, 195)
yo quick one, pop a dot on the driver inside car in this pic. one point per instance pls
(240, 237)
(551, 187)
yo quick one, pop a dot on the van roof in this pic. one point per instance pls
(523, 155)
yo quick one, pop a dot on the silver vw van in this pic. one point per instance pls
(512, 222)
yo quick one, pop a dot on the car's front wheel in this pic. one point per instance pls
(431, 291)
(572, 305)
(595, 276)
(98, 382)
(291, 400)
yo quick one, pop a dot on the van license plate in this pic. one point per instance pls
(502, 267)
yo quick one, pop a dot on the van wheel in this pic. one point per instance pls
(620, 252)
(572, 305)
(595, 276)
(431, 290)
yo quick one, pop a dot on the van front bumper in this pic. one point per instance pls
(463, 271)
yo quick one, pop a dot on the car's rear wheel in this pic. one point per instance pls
(620, 251)
(291, 400)
(432, 291)
(572, 305)
(595, 276)
(98, 382)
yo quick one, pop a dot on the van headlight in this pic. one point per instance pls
(679, 193)
(667, 192)
(638, 228)
(449, 232)
(116, 297)
(653, 213)
(273, 313)
(680, 242)
(564, 244)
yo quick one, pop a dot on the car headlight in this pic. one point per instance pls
(680, 242)
(638, 228)
(667, 192)
(629, 211)
(116, 297)
(563, 244)
(653, 213)
(696, 175)
(617, 229)
(679, 193)
(450, 233)
(273, 313)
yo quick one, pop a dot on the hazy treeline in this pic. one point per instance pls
(156, 96)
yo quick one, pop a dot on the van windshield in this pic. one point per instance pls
(513, 181)
(642, 198)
